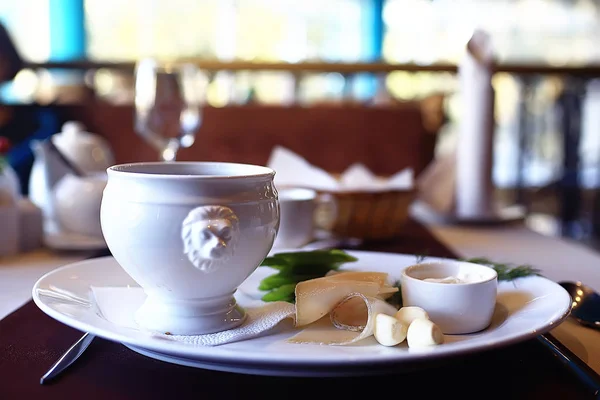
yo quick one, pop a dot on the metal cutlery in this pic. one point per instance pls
(585, 309)
(585, 373)
(585, 303)
(68, 358)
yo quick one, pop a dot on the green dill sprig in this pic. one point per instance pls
(505, 271)
(420, 257)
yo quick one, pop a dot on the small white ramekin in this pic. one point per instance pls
(456, 308)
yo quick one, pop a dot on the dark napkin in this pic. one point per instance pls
(30, 342)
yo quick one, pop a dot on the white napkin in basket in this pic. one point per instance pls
(119, 304)
(293, 170)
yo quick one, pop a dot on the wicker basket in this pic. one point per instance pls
(366, 215)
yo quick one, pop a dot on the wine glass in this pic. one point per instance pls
(168, 101)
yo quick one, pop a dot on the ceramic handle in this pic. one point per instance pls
(210, 235)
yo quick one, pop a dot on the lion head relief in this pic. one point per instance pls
(209, 235)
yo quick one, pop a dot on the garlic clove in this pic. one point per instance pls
(388, 330)
(424, 333)
(406, 315)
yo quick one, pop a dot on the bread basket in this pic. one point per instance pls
(366, 215)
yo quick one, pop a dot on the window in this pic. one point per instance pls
(29, 30)
(425, 31)
(421, 31)
(259, 30)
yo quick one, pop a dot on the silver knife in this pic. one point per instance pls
(584, 372)
(68, 358)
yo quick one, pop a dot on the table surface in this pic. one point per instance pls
(30, 341)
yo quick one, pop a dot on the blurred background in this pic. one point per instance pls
(284, 71)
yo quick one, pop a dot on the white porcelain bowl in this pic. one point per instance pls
(189, 233)
(457, 308)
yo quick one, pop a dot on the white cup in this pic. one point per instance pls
(298, 209)
(189, 233)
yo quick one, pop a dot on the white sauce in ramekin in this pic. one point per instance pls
(460, 278)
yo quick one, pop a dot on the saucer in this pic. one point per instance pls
(526, 308)
(503, 215)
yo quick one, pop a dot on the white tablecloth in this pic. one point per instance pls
(19, 273)
(558, 259)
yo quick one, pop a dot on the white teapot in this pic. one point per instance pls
(88, 151)
(67, 176)
(77, 203)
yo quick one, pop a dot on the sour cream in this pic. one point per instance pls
(448, 279)
(461, 278)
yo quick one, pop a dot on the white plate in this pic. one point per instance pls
(526, 308)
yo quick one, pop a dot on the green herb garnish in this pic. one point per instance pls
(396, 298)
(505, 271)
(295, 267)
(282, 293)
(420, 258)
